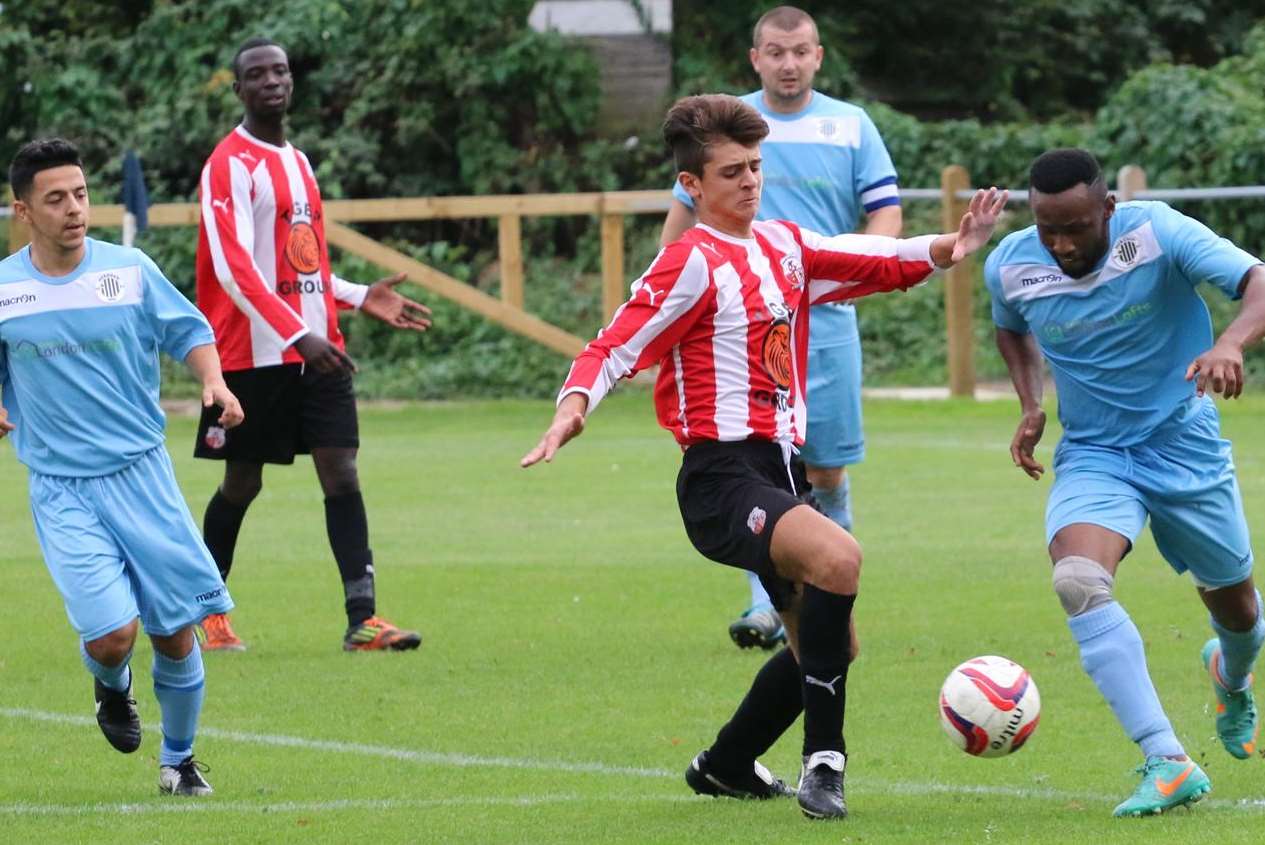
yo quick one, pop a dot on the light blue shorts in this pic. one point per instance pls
(124, 545)
(835, 437)
(1186, 484)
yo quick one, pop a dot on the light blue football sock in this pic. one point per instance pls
(836, 503)
(759, 595)
(1239, 649)
(179, 687)
(1112, 654)
(117, 678)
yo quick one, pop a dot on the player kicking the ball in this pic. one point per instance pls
(1106, 293)
(724, 312)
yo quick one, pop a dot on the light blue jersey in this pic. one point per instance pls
(822, 167)
(79, 358)
(1119, 339)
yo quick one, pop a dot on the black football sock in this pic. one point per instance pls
(823, 657)
(770, 707)
(220, 526)
(348, 529)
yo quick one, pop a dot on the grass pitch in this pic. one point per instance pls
(575, 655)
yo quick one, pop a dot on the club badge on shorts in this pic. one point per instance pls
(215, 437)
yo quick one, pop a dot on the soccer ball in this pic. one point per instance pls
(989, 706)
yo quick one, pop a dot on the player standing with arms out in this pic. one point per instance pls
(824, 163)
(264, 282)
(724, 312)
(1106, 293)
(81, 325)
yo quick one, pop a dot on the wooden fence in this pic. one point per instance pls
(611, 208)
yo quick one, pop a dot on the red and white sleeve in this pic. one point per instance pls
(665, 303)
(348, 294)
(852, 266)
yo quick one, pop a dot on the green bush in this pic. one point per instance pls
(414, 97)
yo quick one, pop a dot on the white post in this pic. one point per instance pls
(129, 228)
(1130, 181)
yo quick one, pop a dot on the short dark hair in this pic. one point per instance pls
(695, 123)
(250, 44)
(785, 18)
(1055, 171)
(37, 155)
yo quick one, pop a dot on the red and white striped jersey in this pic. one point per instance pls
(263, 272)
(726, 319)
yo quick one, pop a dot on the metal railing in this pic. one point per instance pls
(611, 208)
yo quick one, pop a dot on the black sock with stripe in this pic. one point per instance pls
(823, 655)
(348, 529)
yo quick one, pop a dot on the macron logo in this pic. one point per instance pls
(20, 299)
(1039, 280)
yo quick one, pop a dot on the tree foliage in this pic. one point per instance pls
(988, 59)
(418, 97)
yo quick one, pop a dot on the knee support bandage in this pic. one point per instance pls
(1082, 584)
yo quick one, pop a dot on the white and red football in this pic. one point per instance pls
(989, 706)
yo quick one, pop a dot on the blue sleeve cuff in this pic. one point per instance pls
(188, 344)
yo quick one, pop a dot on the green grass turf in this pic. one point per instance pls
(568, 622)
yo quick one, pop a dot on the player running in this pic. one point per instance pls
(81, 323)
(1106, 293)
(724, 312)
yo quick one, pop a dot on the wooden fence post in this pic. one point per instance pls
(614, 291)
(958, 283)
(509, 232)
(1130, 180)
(19, 236)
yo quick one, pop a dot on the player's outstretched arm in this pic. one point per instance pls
(204, 362)
(974, 230)
(568, 423)
(5, 425)
(1023, 360)
(1220, 369)
(385, 303)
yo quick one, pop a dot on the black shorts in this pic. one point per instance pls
(290, 410)
(731, 495)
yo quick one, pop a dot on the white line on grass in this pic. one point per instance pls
(858, 786)
(178, 806)
(432, 757)
(169, 805)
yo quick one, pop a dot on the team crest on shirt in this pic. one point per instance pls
(215, 437)
(1127, 251)
(756, 519)
(827, 127)
(303, 248)
(793, 271)
(109, 287)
